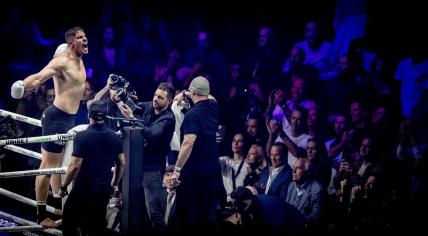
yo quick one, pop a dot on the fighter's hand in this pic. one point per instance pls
(18, 89)
(175, 178)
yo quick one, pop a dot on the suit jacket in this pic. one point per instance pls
(279, 185)
(273, 214)
(161, 203)
(311, 202)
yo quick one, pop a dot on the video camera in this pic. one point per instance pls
(123, 91)
(118, 81)
(125, 98)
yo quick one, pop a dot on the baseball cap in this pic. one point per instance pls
(98, 110)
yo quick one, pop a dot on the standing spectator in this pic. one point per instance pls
(197, 167)
(412, 72)
(267, 60)
(158, 127)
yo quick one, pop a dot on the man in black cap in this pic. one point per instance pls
(95, 150)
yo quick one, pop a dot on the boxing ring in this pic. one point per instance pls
(133, 220)
(23, 225)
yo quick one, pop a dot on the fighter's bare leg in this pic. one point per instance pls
(49, 160)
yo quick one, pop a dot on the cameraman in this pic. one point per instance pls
(158, 126)
(110, 94)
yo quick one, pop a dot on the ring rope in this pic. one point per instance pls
(26, 223)
(40, 139)
(27, 201)
(49, 171)
(24, 151)
(21, 118)
(25, 227)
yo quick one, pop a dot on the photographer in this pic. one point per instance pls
(158, 127)
(116, 90)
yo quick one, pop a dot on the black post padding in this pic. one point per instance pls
(134, 216)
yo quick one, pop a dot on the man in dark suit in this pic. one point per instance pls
(275, 179)
(165, 203)
(265, 213)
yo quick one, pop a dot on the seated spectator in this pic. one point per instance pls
(305, 193)
(234, 167)
(293, 134)
(275, 179)
(321, 168)
(165, 202)
(256, 162)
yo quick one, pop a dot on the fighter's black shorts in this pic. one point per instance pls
(55, 121)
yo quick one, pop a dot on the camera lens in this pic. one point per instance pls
(114, 78)
(118, 81)
(121, 94)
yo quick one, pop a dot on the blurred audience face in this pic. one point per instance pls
(88, 93)
(252, 127)
(50, 96)
(370, 184)
(343, 63)
(297, 89)
(311, 150)
(256, 90)
(203, 40)
(296, 122)
(238, 144)
(265, 36)
(174, 55)
(379, 65)
(339, 124)
(297, 56)
(312, 117)
(312, 33)
(276, 156)
(299, 170)
(109, 36)
(253, 156)
(356, 112)
(366, 148)
(379, 115)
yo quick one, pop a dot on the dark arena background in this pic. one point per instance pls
(368, 70)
